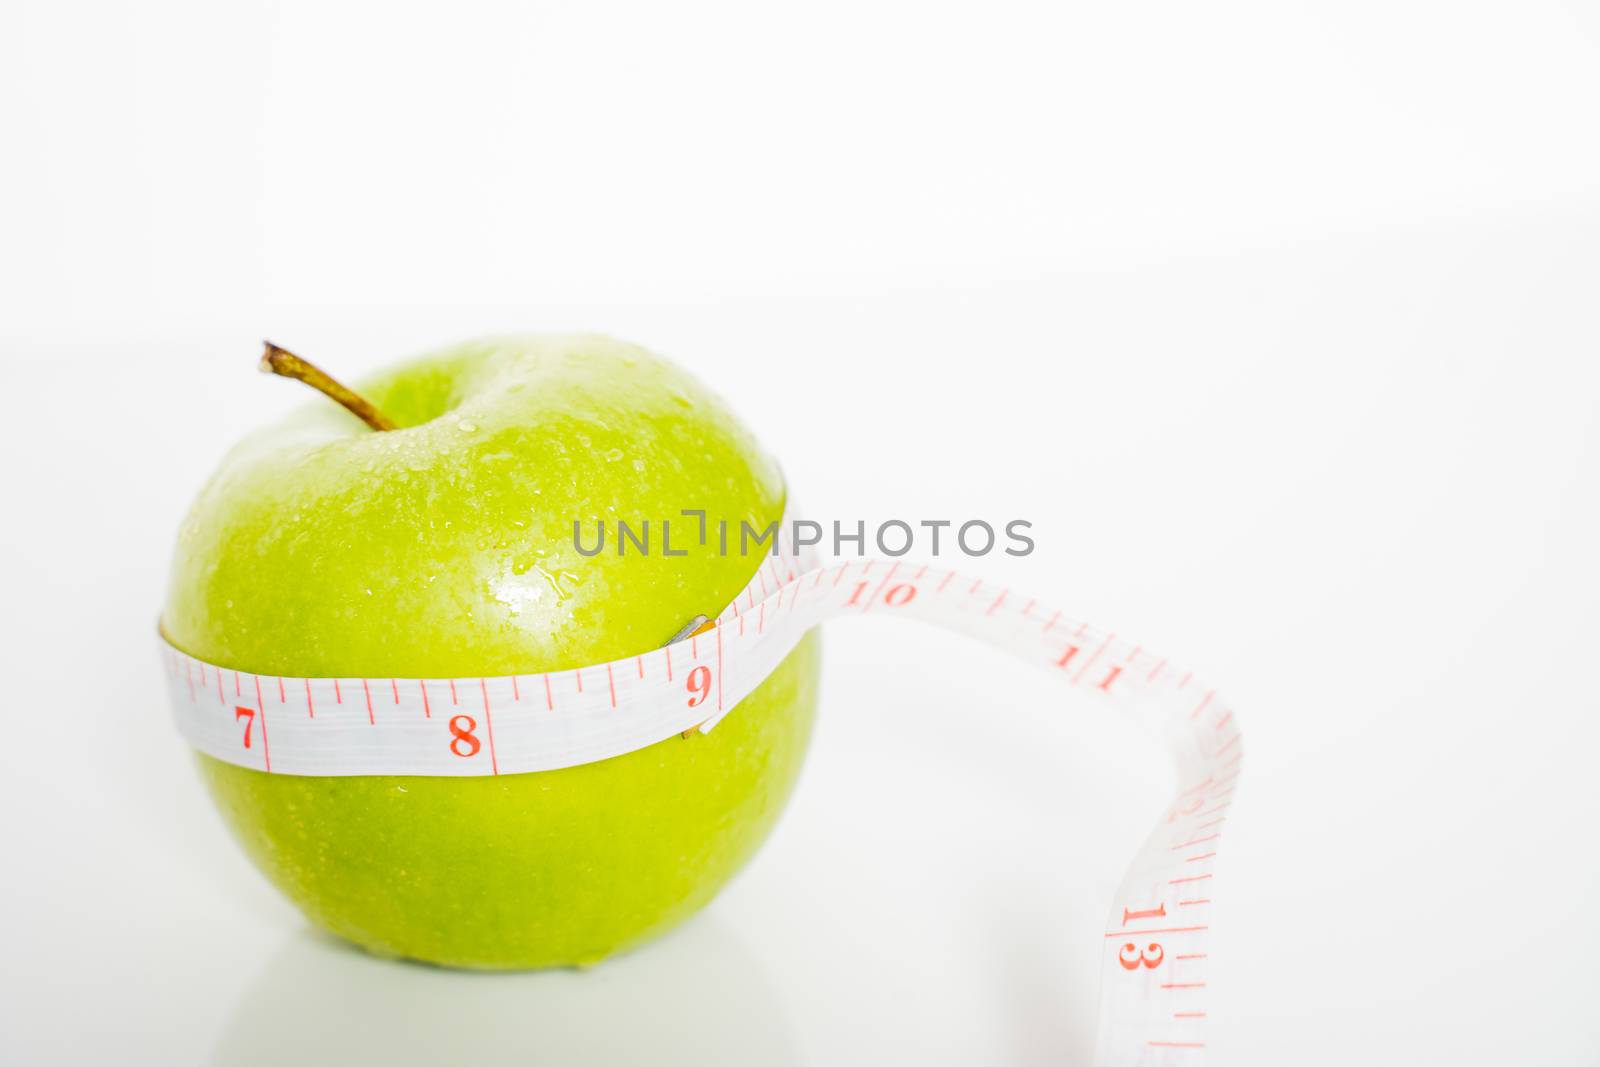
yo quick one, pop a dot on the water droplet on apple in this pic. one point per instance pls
(466, 426)
(638, 464)
(613, 455)
(551, 580)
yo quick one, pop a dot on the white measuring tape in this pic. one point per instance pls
(1154, 967)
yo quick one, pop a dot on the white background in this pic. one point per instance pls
(1278, 320)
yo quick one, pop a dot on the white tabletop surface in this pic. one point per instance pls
(1336, 443)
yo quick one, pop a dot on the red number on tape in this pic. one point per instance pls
(1131, 958)
(699, 686)
(899, 595)
(249, 717)
(896, 596)
(462, 742)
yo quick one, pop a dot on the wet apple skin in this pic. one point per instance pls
(445, 549)
(549, 869)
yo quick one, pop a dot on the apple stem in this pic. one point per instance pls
(692, 628)
(286, 364)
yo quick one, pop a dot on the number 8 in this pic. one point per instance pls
(461, 727)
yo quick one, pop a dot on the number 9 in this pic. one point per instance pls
(699, 686)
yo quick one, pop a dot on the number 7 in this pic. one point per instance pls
(248, 714)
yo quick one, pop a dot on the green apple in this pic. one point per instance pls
(444, 548)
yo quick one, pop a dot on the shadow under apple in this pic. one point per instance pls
(697, 996)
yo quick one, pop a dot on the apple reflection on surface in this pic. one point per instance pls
(697, 996)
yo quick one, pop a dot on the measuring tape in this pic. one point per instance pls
(1154, 966)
